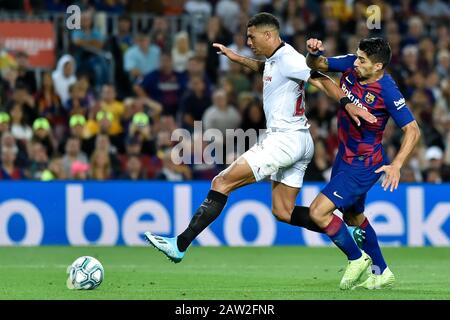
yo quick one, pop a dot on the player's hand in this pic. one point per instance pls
(314, 45)
(391, 178)
(222, 49)
(356, 113)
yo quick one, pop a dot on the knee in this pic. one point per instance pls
(353, 220)
(220, 184)
(315, 214)
(282, 213)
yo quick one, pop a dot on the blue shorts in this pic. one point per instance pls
(349, 185)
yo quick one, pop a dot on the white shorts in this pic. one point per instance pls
(284, 156)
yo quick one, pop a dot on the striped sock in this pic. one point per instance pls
(371, 247)
(338, 233)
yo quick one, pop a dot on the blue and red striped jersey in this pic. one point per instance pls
(362, 145)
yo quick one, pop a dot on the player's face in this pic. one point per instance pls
(363, 66)
(256, 40)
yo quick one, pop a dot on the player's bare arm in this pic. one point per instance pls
(392, 172)
(314, 59)
(253, 64)
(327, 85)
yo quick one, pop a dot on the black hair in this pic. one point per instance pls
(377, 49)
(264, 19)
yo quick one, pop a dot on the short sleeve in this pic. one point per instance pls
(396, 106)
(295, 67)
(341, 63)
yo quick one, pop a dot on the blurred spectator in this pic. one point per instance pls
(9, 170)
(8, 81)
(111, 6)
(221, 115)
(9, 142)
(73, 154)
(42, 133)
(100, 166)
(7, 59)
(38, 160)
(141, 58)
(103, 144)
(215, 32)
(88, 45)
(25, 74)
(200, 11)
(196, 67)
(443, 64)
(55, 170)
(79, 170)
(19, 124)
(181, 52)
(407, 175)
(415, 31)
(119, 43)
(194, 102)
(133, 169)
(253, 116)
(77, 124)
(5, 120)
(109, 103)
(161, 33)
(64, 76)
(102, 124)
(164, 85)
(239, 46)
(228, 10)
(49, 105)
(238, 79)
(173, 172)
(433, 10)
(140, 129)
(77, 103)
(434, 156)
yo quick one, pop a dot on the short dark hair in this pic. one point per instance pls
(264, 19)
(377, 49)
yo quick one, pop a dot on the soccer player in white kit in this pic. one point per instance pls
(286, 150)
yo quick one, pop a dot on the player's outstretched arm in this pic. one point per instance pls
(392, 172)
(314, 59)
(255, 65)
(327, 85)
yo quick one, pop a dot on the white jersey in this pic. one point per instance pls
(285, 76)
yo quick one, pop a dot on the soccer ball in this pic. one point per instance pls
(85, 273)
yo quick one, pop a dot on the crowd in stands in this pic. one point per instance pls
(86, 120)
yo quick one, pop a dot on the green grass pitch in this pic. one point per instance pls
(218, 273)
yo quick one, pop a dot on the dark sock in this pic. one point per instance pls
(208, 211)
(338, 233)
(300, 217)
(371, 247)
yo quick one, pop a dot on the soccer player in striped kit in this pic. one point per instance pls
(361, 160)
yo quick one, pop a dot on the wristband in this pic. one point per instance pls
(317, 54)
(344, 101)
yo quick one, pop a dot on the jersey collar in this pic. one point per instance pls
(279, 47)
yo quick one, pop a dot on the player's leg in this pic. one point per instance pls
(354, 216)
(381, 276)
(238, 174)
(283, 201)
(341, 191)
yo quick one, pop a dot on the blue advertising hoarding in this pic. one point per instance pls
(117, 213)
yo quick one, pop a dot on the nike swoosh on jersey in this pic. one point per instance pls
(336, 195)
